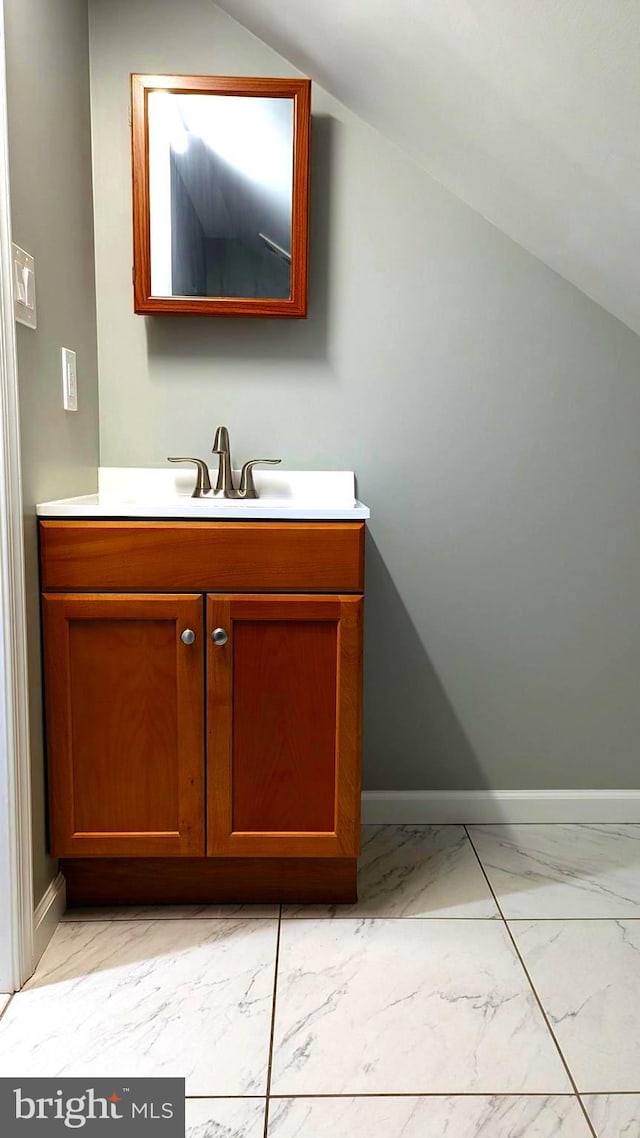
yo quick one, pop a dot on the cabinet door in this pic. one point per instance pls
(283, 763)
(125, 724)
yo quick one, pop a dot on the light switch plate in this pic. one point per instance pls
(69, 380)
(24, 287)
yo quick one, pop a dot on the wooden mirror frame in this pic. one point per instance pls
(297, 89)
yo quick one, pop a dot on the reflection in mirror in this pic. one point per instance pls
(220, 183)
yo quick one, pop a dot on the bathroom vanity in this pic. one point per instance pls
(203, 672)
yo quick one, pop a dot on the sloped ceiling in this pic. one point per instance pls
(528, 110)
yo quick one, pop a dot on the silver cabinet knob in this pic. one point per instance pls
(219, 636)
(188, 636)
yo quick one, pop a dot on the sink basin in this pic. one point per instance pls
(135, 492)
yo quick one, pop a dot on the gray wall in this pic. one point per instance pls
(490, 410)
(52, 217)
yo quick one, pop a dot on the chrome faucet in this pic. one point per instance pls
(224, 487)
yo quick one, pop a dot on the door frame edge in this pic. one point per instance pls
(16, 856)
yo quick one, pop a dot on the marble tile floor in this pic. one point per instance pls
(485, 985)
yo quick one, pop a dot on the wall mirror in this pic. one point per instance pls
(220, 195)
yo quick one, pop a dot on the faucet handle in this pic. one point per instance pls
(247, 488)
(203, 482)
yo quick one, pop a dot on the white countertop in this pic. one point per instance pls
(136, 492)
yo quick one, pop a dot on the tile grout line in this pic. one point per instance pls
(532, 986)
(70, 920)
(416, 1094)
(225, 1098)
(65, 920)
(273, 1025)
(6, 1006)
(401, 1094)
(428, 1094)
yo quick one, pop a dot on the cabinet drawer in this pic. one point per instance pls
(202, 556)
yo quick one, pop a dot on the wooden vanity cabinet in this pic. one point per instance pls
(203, 745)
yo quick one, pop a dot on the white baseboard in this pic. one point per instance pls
(47, 915)
(472, 806)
